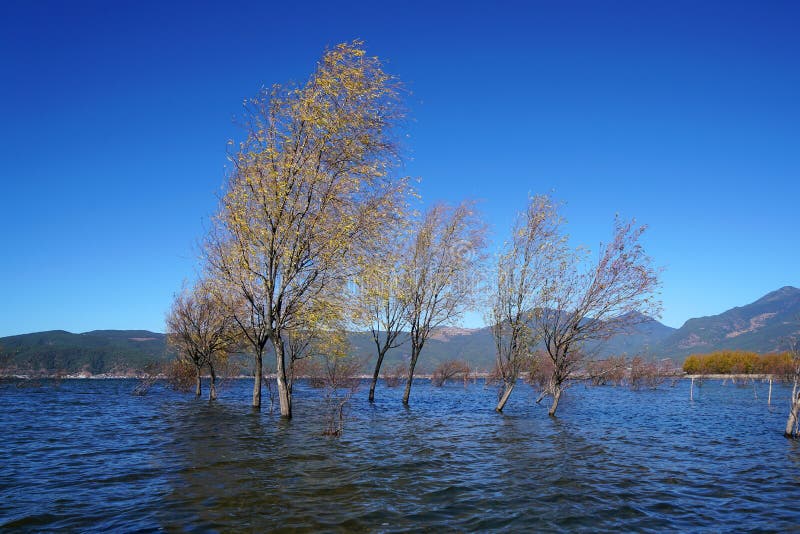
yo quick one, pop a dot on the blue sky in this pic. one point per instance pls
(115, 118)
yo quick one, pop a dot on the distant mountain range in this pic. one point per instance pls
(760, 327)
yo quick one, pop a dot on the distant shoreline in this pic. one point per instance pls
(84, 376)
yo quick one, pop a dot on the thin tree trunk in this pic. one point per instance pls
(414, 356)
(791, 423)
(556, 398)
(284, 395)
(198, 386)
(258, 378)
(212, 395)
(769, 396)
(378, 364)
(506, 394)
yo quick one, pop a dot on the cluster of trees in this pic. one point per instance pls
(451, 370)
(316, 234)
(545, 293)
(739, 363)
(637, 373)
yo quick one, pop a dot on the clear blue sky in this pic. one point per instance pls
(115, 117)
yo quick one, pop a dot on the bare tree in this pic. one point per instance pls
(450, 369)
(394, 376)
(336, 374)
(649, 374)
(611, 370)
(442, 274)
(147, 378)
(595, 303)
(200, 332)
(312, 191)
(519, 287)
(341, 383)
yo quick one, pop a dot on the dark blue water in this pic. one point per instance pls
(86, 455)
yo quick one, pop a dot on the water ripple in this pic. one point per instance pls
(88, 456)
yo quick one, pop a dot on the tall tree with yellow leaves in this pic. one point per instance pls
(312, 190)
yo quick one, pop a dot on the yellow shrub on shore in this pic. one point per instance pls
(737, 362)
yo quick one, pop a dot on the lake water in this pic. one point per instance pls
(86, 455)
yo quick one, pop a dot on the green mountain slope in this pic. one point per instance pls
(761, 326)
(96, 352)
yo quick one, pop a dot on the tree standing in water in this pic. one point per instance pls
(519, 286)
(383, 306)
(443, 273)
(595, 302)
(791, 430)
(312, 191)
(201, 333)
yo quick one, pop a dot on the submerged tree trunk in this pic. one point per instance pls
(414, 356)
(769, 395)
(375, 376)
(509, 387)
(284, 392)
(791, 422)
(257, 383)
(212, 395)
(197, 386)
(556, 397)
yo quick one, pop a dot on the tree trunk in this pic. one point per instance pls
(375, 376)
(284, 395)
(791, 423)
(769, 395)
(258, 378)
(509, 387)
(197, 386)
(556, 398)
(212, 395)
(414, 356)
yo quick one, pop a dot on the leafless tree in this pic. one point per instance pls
(394, 376)
(338, 376)
(649, 374)
(147, 379)
(611, 370)
(450, 369)
(594, 302)
(201, 332)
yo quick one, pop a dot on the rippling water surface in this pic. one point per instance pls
(87, 455)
